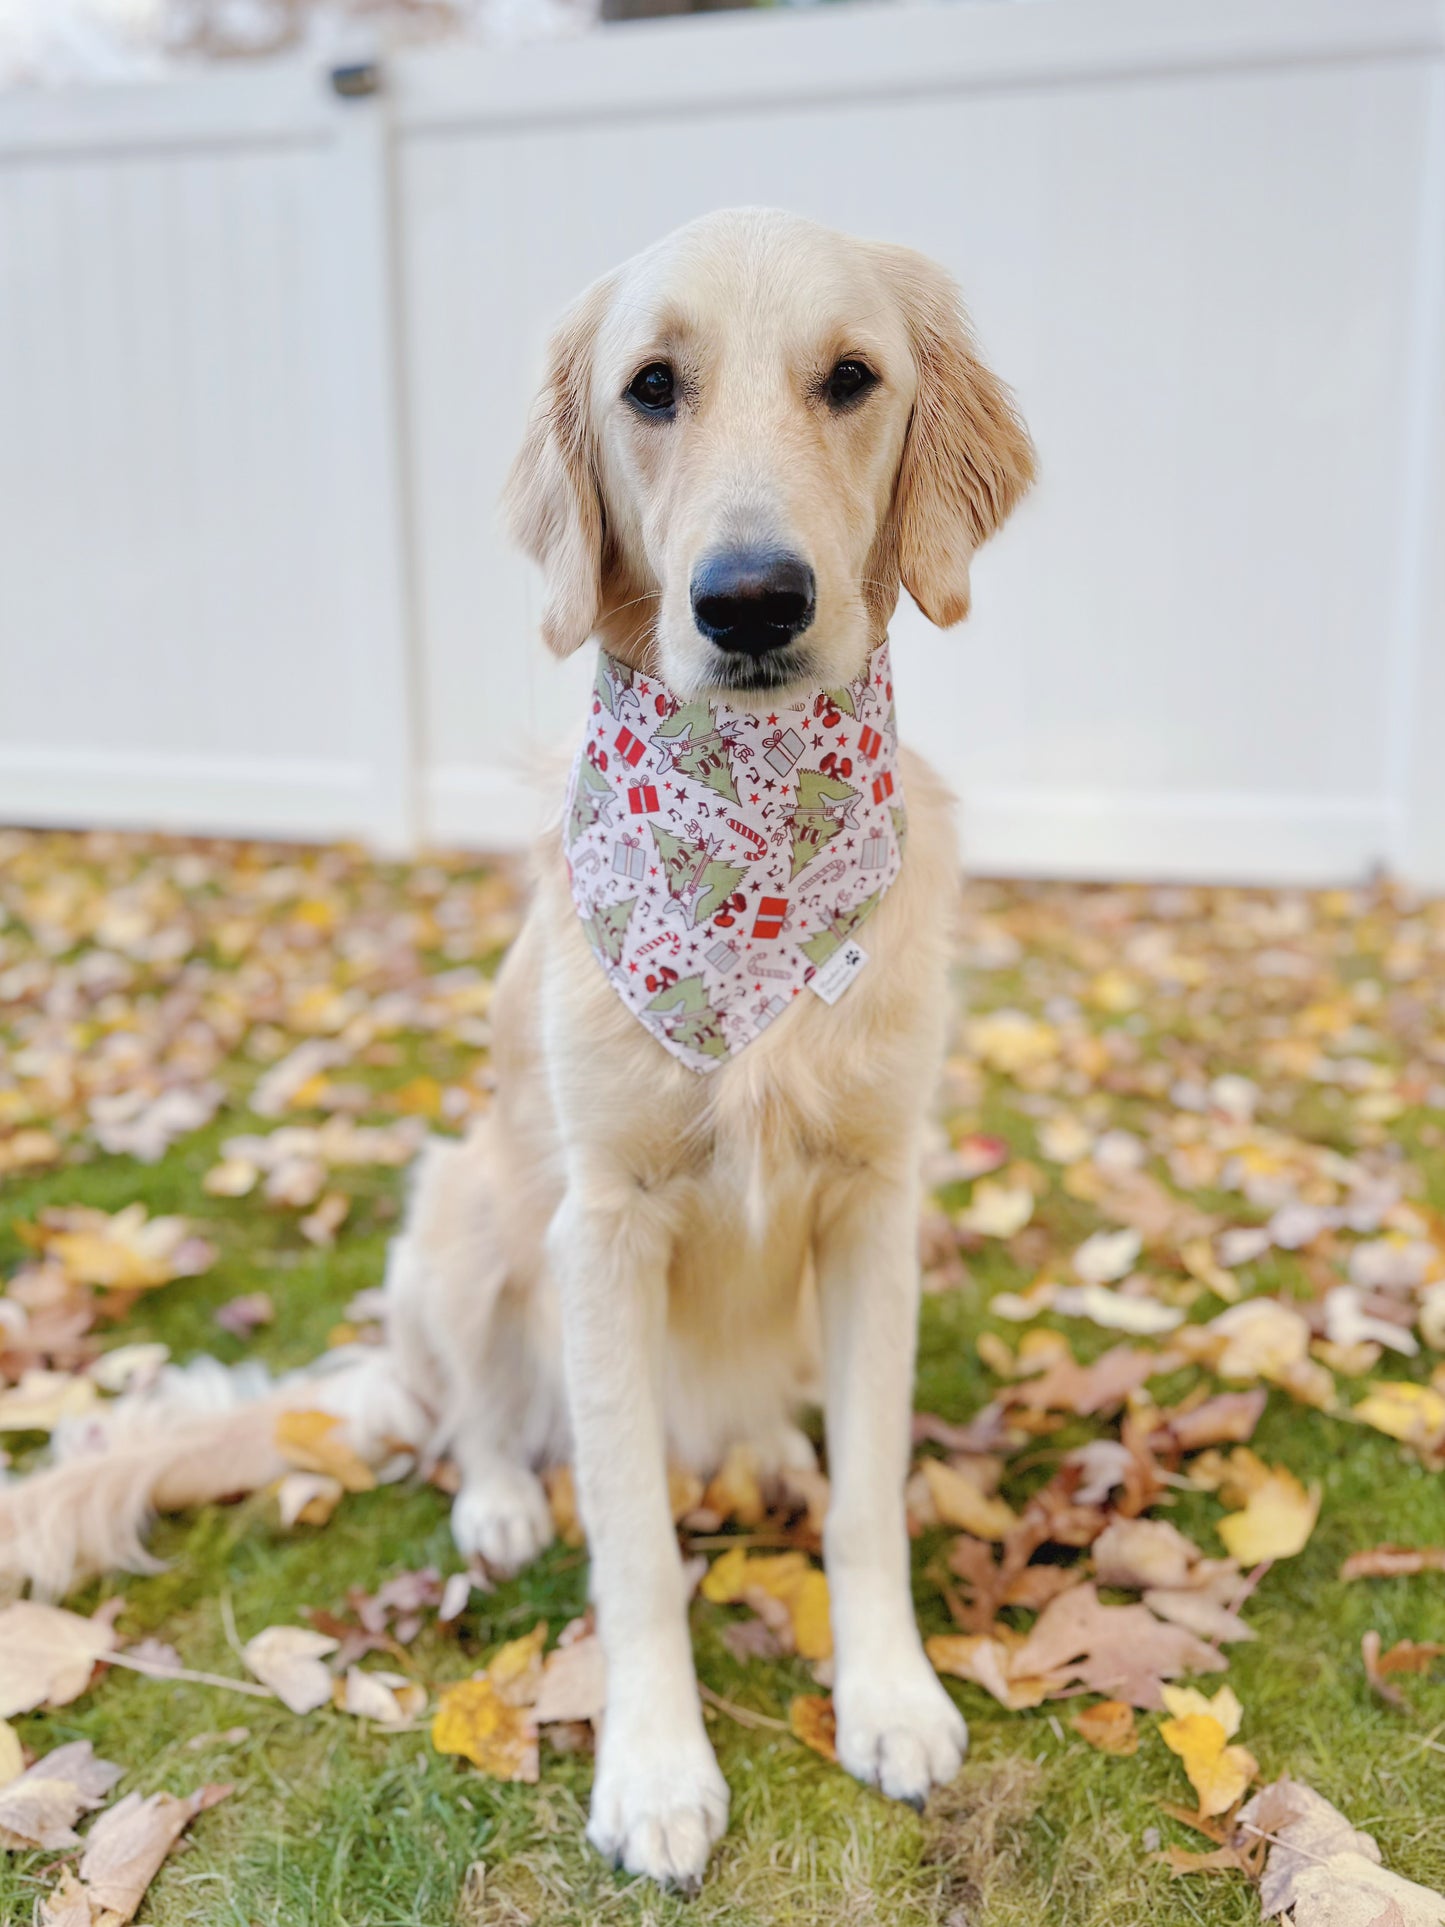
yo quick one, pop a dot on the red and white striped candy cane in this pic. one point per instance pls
(743, 829)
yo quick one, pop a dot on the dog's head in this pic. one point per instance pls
(747, 438)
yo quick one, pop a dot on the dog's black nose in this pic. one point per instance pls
(752, 600)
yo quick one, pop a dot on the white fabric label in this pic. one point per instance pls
(840, 970)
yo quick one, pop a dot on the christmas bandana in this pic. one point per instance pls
(721, 861)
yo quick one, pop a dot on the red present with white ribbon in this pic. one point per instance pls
(883, 786)
(641, 797)
(869, 742)
(629, 748)
(771, 912)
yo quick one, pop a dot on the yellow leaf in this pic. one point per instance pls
(308, 1441)
(474, 1721)
(959, 1502)
(734, 1492)
(515, 1669)
(1109, 1726)
(1224, 1708)
(723, 1581)
(811, 1717)
(1218, 1773)
(1415, 1414)
(1276, 1521)
(812, 1620)
(562, 1500)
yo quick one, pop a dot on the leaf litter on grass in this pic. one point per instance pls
(1179, 1145)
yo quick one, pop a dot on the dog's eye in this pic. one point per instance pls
(653, 388)
(849, 380)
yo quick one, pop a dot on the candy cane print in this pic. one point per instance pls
(745, 829)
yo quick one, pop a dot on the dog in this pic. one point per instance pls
(678, 1222)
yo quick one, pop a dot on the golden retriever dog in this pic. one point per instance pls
(747, 439)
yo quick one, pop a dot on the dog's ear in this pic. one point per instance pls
(967, 458)
(554, 503)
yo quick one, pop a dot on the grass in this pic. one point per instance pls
(334, 1824)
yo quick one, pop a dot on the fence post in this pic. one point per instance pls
(374, 512)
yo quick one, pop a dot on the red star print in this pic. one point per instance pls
(842, 742)
(753, 798)
(633, 968)
(772, 719)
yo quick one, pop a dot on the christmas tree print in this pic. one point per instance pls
(606, 929)
(591, 801)
(843, 699)
(692, 1022)
(820, 948)
(702, 750)
(900, 825)
(696, 881)
(819, 814)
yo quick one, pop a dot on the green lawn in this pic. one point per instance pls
(337, 1822)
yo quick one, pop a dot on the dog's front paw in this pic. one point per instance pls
(899, 1731)
(658, 1806)
(503, 1514)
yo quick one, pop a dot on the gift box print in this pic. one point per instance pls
(628, 859)
(641, 797)
(783, 751)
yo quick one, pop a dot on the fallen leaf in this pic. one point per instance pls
(1327, 1872)
(308, 1498)
(12, 1754)
(42, 1399)
(1414, 1414)
(1405, 1656)
(315, 1442)
(1393, 1562)
(1117, 1311)
(786, 1577)
(289, 1659)
(39, 1808)
(997, 1210)
(47, 1655)
(1121, 1651)
(244, 1315)
(574, 1682)
(390, 1699)
(1107, 1256)
(474, 1721)
(959, 1502)
(989, 1660)
(515, 1669)
(1109, 1727)
(124, 1252)
(1276, 1521)
(124, 1851)
(811, 1717)
(1088, 1389)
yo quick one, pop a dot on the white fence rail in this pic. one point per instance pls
(265, 354)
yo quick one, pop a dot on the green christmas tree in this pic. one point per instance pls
(816, 820)
(607, 927)
(695, 879)
(820, 948)
(900, 825)
(696, 1024)
(842, 699)
(590, 804)
(702, 750)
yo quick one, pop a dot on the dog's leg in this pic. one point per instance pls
(658, 1801)
(897, 1727)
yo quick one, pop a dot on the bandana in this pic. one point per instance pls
(722, 861)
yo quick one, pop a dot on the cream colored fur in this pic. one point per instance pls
(626, 1262)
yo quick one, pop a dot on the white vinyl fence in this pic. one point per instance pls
(265, 354)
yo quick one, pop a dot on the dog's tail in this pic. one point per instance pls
(201, 1433)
